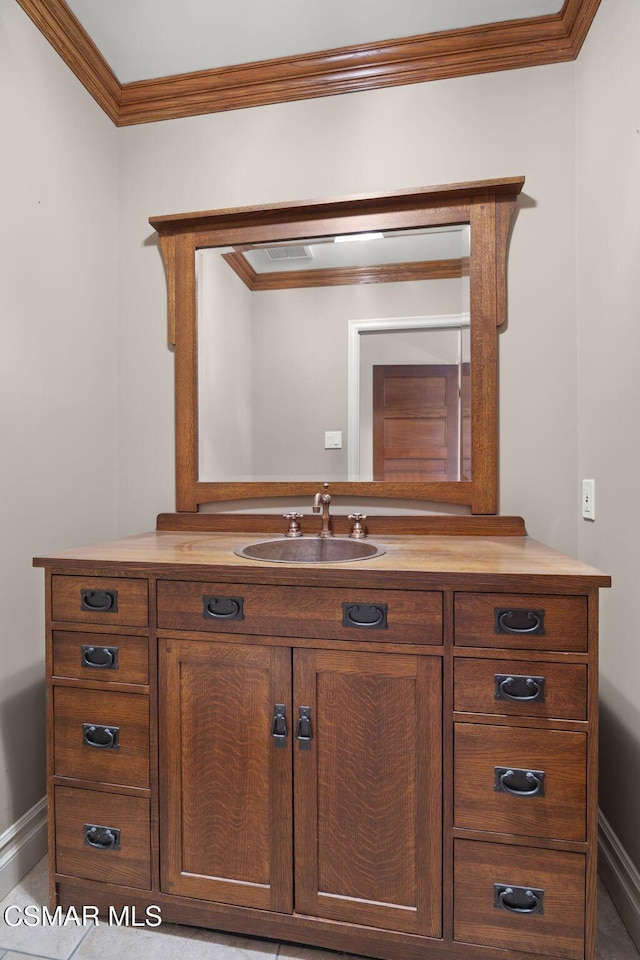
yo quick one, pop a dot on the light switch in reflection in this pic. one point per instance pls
(333, 439)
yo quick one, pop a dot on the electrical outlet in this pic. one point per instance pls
(589, 499)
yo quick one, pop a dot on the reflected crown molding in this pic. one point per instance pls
(340, 276)
(487, 48)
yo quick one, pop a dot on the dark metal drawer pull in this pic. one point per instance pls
(304, 734)
(101, 658)
(222, 608)
(519, 620)
(104, 738)
(279, 730)
(518, 782)
(99, 601)
(521, 689)
(368, 615)
(101, 838)
(518, 899)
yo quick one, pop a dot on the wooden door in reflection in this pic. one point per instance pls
(416, 423)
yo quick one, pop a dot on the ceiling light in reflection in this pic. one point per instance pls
(359, 236)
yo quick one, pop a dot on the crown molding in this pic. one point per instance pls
(455, 53)
(343, 276)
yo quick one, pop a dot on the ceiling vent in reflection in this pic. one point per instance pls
(289, 253)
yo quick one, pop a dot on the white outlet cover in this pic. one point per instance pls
(589, 499)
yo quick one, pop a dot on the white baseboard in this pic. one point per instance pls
(22, 845)
(620, 877)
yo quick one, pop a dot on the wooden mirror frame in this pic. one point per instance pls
(487, 205)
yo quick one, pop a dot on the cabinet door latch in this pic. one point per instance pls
(303, 728)
(279, 726)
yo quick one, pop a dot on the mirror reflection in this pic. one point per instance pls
(336, 358)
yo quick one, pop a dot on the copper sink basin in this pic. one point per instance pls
(310, 550)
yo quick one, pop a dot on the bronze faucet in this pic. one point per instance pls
(322, 501)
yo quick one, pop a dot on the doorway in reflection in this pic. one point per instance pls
(413, 399)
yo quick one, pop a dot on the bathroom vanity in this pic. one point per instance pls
(394, 756)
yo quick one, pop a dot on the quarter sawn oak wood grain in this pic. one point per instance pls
(306, 612)
(558, 932)
(227, 803)
(132, 657)
(383, 797)
(368, 790)
(130, 865)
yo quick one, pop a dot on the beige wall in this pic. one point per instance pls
(63, 192)
(225, 383)
(300, 377)
(608, 179)
(57, 388)
(503, 124)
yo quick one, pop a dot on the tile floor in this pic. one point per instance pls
(190, 943)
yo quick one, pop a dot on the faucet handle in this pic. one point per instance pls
(294, 526)
(357, 530)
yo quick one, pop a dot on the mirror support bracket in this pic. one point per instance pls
(168, 251)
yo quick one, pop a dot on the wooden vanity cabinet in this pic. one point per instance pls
(363, 732)
(368, 795)
(410, 775)
(226, 823)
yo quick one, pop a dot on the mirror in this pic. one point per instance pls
(371, 364)
(354, 357)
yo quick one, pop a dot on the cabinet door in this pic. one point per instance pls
(225, 779)
(367, 790)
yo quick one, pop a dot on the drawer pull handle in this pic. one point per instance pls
(279, 726)
(99, 601)
(101, 838)
(519, 621)
(101, 658)
(369, 615)
(304, 734)
(506, 687)
(222, 608)
(103, 738)
(519, 783)
(518, 899)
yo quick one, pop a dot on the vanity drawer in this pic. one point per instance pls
(391, 616)
(483, 872)
(545, 768)
(521, 621)
(521, 688)
(106, 600)
(101, 736)
(101, 656)
(103, 836)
